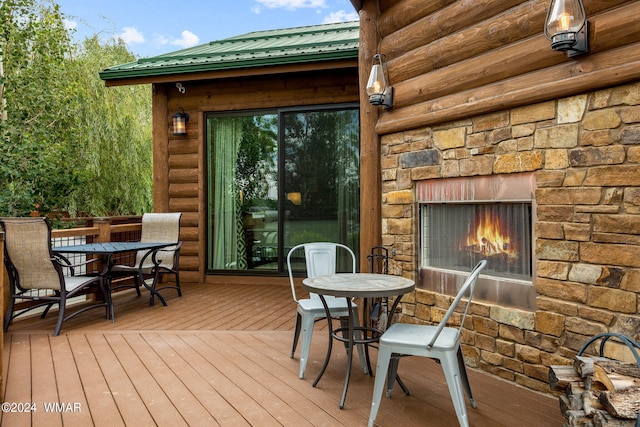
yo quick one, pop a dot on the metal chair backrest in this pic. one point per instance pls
(28, 254)
(160, 227)
(378, 260)
(467, 289)
(320, 258)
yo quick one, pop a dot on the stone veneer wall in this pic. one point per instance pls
(585, 151)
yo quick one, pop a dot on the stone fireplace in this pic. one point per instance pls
(464, 220)
(574, 163)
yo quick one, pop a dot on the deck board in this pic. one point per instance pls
(219, 355)
(150, 393)
(41, 367)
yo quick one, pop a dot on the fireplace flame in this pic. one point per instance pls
(488, 240)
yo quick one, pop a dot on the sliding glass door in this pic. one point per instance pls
(277, 179)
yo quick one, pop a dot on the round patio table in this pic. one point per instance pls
(355, 285)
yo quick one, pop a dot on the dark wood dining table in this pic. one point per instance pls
(106, 250)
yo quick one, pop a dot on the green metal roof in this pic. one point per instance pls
(257, 49)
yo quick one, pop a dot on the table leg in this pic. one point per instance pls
(366, 322)
(330, 346)
(349, 354)
(105, 284)
(389, 319)
(151, 288)
(350, 345)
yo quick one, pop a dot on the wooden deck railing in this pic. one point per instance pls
(103, 229)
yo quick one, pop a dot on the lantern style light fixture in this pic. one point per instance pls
(378, 89)
(295, 198)
(567, 27)
(180, 120)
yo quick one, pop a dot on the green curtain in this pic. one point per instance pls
(348, 172)
(229, 245)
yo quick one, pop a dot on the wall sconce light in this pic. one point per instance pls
(567, 27)
(295, 198)
(180, 120)
(378, 89)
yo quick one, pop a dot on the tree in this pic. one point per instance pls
(32, 42)
(115, 141)
(67, 142)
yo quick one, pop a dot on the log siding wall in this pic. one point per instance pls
(477, 83)
(182, 162)
(467, 58)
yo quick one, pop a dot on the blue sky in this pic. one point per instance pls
(154, 27)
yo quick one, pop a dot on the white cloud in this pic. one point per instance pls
(188, 39)
(160, 39)
(291, 4)
(130, 35)
(69, 24)
(340, 16)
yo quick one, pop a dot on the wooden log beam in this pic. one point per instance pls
(183, 204)
(453, 18)
(160, 132)
(370, 174)
(475, 73)
(513, 59)
(183, 190)
(593, 72)
(497, 24)
(396, 16)
(184, 161)
(488, 36)
(183, 176)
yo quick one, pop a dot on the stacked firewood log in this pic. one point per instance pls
(597, 392)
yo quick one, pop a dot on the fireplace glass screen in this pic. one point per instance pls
(455, 236)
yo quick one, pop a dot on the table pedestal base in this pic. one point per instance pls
(367, 336)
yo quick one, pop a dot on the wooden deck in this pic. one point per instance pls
(220, 356)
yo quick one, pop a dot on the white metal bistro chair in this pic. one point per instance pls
(320, 259)
(438, 342)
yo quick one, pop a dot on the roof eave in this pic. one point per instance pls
(209, 74)
(108, 74)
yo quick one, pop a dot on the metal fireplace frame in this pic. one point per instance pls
(506, 292)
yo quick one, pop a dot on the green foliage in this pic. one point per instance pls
(68, 143)
(115, 141)
(256, 157)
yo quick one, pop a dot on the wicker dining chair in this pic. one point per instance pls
(36, 274)
(156, 228)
